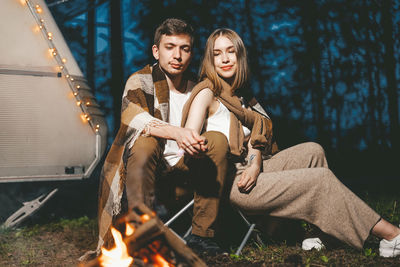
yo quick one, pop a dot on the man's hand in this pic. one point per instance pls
(190, 141)
(249, 178)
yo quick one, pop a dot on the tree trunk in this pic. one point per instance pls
(390, 67)
(310, 21)
(254, 54)
(91, 44)
(116, 60)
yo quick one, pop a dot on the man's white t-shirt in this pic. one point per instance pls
(176, 103)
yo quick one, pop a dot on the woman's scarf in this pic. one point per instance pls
(254, 118)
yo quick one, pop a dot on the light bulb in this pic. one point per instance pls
(87, 103)
(78, 86)
(75, 93)
(49, 35)
(72, 79)
(64, 60)
(67, 76)
(38, 9)
(78, 103)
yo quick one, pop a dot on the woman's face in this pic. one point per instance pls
(225, 61)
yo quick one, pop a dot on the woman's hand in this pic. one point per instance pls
(190, 141)
(249, 178)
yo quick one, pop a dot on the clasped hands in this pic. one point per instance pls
(191, 142)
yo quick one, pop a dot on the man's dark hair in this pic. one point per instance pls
(173, 26)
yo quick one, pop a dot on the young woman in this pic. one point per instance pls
(294, 183)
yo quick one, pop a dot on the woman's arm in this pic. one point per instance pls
(199, 109)
(250, 174)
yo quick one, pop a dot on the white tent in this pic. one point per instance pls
(51, 127)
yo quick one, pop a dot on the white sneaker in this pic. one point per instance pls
(310, 243)
(390, 248)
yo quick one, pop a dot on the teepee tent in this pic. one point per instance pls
(51, 127)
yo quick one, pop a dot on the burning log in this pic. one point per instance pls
(146, 240)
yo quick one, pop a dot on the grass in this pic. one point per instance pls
(60, 242)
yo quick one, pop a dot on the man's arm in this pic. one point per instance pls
(187, 139)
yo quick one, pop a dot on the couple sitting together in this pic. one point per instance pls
(176, 131)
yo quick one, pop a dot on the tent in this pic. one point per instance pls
(51, 127)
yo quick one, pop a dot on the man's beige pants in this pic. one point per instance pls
(205, 175)
(297, 184)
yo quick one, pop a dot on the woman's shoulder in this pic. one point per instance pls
(206, 83)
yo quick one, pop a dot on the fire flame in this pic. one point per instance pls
(129, 229)
(159, 261)
(117, 256)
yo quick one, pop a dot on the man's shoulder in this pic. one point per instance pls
(139, 79)
(146, 71)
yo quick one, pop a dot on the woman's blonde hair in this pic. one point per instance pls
(207, 67)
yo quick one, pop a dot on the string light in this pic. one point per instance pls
(38, 9)
(53, 52)
(35, 11)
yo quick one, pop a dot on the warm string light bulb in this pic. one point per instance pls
(53, 52)
(49, 35)
(78, 86)
(78, 103)
(38, 9)
(64, 60)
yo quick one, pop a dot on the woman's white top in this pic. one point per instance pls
(220, 121)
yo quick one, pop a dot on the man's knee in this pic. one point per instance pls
(145, 148)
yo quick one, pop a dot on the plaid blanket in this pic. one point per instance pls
(145, 102)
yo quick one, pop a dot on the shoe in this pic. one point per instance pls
(312, 243)
(204, 245)
(390, 248)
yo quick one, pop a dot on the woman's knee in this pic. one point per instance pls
(217, 142)
(316, 154)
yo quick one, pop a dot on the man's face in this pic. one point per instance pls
(174, 53)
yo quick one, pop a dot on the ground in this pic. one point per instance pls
(63, 230)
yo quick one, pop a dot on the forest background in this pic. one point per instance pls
(326, 71)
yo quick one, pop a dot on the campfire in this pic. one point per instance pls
(143, 240)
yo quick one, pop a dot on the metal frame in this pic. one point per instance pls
(244, 240)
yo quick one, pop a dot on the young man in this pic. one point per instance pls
(150, 138)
